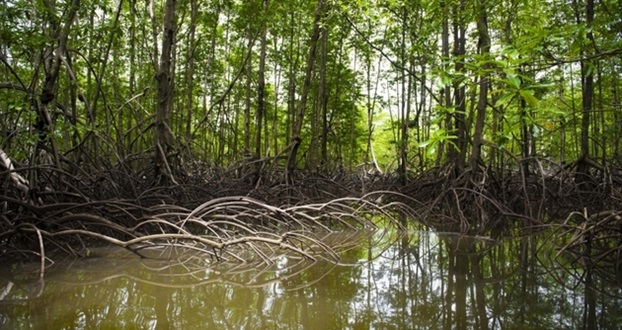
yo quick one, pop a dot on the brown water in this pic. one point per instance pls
(418, 281)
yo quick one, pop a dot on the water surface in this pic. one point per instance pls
(417, 281)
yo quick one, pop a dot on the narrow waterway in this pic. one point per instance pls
(417, 281)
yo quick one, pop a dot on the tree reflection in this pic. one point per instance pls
(414, 281)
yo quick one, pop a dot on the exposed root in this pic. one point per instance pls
(594, 241)
(230, 228)
(227, 215)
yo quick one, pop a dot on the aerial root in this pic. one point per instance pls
(236, 228)
(595, 242)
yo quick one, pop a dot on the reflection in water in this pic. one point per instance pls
(416, 281)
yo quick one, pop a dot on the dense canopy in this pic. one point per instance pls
(397, 85)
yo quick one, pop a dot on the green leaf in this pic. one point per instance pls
(446, 80)
(513, 81)
(588, 69)
(424, 144)
(527, 95)
(502, 141)
(501, 64)
(505, 99)
(549, 85)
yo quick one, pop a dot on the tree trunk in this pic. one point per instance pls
(458, 154)
(163, 135)
(446, 91)
(52, 58)
(261, 90)
(484, 44)
(323, 97)
(405, 102)
(296, 138)
(190, 72)
(587, 93)
(247, 102)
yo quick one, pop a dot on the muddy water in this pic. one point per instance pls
(417, 281)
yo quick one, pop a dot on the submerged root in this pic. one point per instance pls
(228, 216)
(593, 241)
(231, 228)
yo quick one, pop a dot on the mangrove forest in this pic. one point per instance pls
(237, 132)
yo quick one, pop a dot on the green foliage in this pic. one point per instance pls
(378, 54)
(437, 139)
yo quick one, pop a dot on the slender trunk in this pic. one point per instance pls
(52, 62)
(526, 137)
(587, 93)
(323, 97)
(163, 135)
(275, 116)
(484, 43)
(588, 86)
(616, 116)
(458, 154)
(210, 86)
(293, 66)
(127, 134)
(370, 110)
(296, 138)
(405, 102)
(447, 89)
(194, 10)
(261, 91)
(261, 85)
(420, 109)
(247, 102)
(154, 33)
(602, 123)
